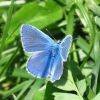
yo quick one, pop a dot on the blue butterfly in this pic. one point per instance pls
(47, 55)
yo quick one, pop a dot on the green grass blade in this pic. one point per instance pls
(34, 88)
(5, 32)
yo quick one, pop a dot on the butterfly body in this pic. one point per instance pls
(53, 53)
(48, 61)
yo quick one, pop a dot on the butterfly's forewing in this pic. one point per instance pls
(57, 68)
(34, 39)
(38, 65)
(65, 46)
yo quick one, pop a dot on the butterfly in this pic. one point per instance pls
(47, 56)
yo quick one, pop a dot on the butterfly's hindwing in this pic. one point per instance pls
(57, 68)
(65, 46)
(38, 65)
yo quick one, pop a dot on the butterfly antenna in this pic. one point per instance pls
(51, 34)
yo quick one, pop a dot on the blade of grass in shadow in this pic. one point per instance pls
(34, 88)
(10, 36)
(70, 27)
(22, 73)
(96, 68)
(15, 89)
(95, 73)
(8, 53)
(24, 89)
(93, 6)
(82, 43)
(5, 68)
(15, 98)
(88, 23)
(70, 21)
(3, 60)
(7, 25)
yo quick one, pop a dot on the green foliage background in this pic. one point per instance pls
(81, 77)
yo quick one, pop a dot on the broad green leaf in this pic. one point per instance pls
(76, 71)
(91, 94)
(87, 70)
(39, 95)
(36, 14)
(81, 86)
(93, 6)
(22, 73)
(66, 82)
(34, 88)
(97, 97)
(70, 85)
(97, 20)
(49, 90)
(66, 96)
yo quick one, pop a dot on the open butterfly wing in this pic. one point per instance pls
(38, 65)
(57, 68)
(34, 39)
(65, 46)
